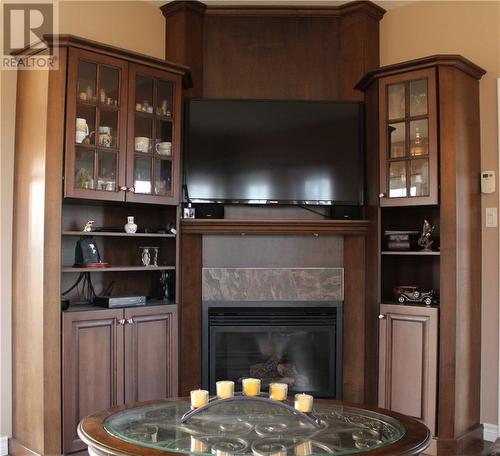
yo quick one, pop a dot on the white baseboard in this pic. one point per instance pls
(490, 432)
(4, 446)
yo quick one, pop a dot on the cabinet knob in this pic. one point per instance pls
(123, 188)
(121, 321)
(131, 189)
(381, 195)
(381, 317)
(130, 321)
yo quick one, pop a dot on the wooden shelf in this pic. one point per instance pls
(117, 234)
(118, 269)
(292, 226)
(420, 253)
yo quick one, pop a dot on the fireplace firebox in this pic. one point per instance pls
(298, 343)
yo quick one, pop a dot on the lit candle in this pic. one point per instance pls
(198, 446)
(304, 448)
(225, 389)
(303, 403)
(278, 391)
(251, 386)
(199, 398)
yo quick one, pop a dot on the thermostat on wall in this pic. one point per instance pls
(487, 182)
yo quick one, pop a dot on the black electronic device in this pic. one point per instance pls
(209, 210)
(87, 254)
(119, 301)
(274, 152)
(345, 212)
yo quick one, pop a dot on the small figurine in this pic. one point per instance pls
(425, 238)
(88, 226)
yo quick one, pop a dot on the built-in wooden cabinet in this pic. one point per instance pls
(423, 163)
(111, 357)
(122, 130)
(408, 354)
(408, 139)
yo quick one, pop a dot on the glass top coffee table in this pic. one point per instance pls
(246, 428)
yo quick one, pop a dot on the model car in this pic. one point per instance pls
(412, 294)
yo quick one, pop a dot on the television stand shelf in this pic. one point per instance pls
(278, 226)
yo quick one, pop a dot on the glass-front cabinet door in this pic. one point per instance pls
(408, 139)
(153, 136)
(96, 127)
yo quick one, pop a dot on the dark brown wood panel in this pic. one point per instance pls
(354, 354)
(191, 248)
(92, 355)
(151, 353)
(186, 17)
(271, 57)
(408, 361)
(460, 341)
(230, 226)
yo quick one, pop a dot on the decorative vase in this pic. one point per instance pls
(130, 227)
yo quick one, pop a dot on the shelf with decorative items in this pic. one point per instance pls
(122, 131)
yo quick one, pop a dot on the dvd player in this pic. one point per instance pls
(119, 301)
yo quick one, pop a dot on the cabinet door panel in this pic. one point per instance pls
(96, 122)
(150, 353)
(153, 143)
(92, 368)
(408, 361)
(408, 132)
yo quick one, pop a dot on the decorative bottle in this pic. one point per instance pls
(130, 226)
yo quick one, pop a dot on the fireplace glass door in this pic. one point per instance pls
(278, 348)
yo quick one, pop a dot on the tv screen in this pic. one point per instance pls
(264, 152)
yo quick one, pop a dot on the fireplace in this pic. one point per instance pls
(298, 343)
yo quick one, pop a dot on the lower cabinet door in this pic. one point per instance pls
(92, 362)
(151, 353)
(408, 361)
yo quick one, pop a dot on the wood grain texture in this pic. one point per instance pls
(460, 334)
(274, 52)
(151, 353)
(36, 246)
(232, 226)
(92, 368)
(408, 361)
(191, 251)
(354, 345)
(372, 269)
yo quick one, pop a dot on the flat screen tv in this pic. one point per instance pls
(274, 152)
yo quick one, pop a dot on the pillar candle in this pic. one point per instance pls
(199, 398)
(304, 403)
(278, 391)
(198, 446)
(225, 389)
(304, 448)
(251, 386)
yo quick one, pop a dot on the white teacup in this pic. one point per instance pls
(164, 148)
(142, 144)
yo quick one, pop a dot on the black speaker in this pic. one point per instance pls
(208, 210)
(345, 212)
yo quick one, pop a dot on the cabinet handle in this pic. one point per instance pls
(123, 188)
(130, 321)
(381, 317)
(381, 195)
(131, 189)
(121, 321)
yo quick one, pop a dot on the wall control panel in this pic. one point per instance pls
(487, 182)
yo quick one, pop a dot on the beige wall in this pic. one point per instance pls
(135, 25)
(472, 29)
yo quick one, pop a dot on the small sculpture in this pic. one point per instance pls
(88, 226)
(425, 238)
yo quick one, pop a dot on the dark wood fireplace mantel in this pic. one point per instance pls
(230, 226)
(357, 319)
